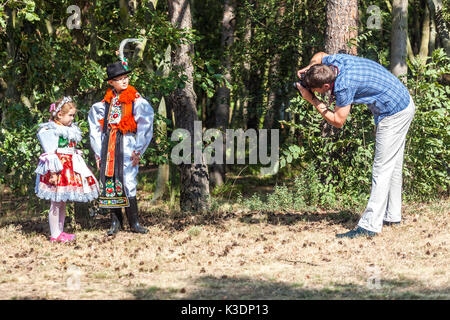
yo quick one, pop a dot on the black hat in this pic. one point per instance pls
(116, 69)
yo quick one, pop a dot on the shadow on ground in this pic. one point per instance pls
(244, 288)
(345, 218)
(178, 221)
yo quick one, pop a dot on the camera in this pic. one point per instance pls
(302, 82)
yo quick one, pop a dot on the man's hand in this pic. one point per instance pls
(306, 94)
(316, 59)
(135, 158)
(301, 71)
(53, 178)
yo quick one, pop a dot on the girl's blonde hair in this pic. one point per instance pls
(64, 109)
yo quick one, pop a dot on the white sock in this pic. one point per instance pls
(62, 215)
(53, 219)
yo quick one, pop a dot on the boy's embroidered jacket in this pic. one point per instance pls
(136, 121)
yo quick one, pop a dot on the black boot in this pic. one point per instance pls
(116, 221)
(132, 215)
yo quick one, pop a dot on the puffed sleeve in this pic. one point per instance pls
(96, 114)
(48, 161)
(48, 139)
(143, 115)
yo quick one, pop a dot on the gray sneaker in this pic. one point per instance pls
(390, 223)
(358, 232)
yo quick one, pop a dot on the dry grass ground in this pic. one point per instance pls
(239, 255)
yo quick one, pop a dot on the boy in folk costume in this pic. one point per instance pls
(121, 128)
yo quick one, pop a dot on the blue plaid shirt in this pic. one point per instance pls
(364, 81)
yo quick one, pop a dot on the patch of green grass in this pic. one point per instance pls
(194, 231)
(148, 293)
(100, 275)
(298, 285)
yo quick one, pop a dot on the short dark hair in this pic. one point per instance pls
(318, 75)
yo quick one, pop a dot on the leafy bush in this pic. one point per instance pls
(426, 168)
(343, 160)
(307, 193)
(19, 154)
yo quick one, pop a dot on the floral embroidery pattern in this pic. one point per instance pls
(125, 117)
(111, 203)
(63, 142)
(119, 189)
(110, 188)
(116, 111)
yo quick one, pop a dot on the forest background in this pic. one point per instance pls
(236, 71)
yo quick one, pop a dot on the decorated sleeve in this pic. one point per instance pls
(48, 161)
(143, 115)
(95, 117)
(48, 139)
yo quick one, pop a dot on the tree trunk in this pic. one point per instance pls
(342, 26)
(3, 87)
(273, 101)
(274, 95)
(163, 169)
(252, 77)
(432, 43)
(425, 40)
(164, 110)
(399, 38)
(255, 98)
(123, 12)
(435, 7)
(93, 37)
(194, 194)
(11, 93)
(223, 92)
(409, 50)
(246, 70)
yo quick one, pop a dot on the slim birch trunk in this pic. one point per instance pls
(399, 38)
(223, 92)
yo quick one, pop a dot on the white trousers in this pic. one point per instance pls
(129, 171)
(385, 202)
(130, 176)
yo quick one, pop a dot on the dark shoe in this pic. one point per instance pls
(358, 232)
(132, 215)
(116, 222)
(390, 223)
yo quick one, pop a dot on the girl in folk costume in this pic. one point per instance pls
(121, 128)
(62, 174)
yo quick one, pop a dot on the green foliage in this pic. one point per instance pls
(427, 154)
(445, 12)
(306, 193)
(343, 161)
(289, 32)
(43, 60)
(18, 157)
(161, 145)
